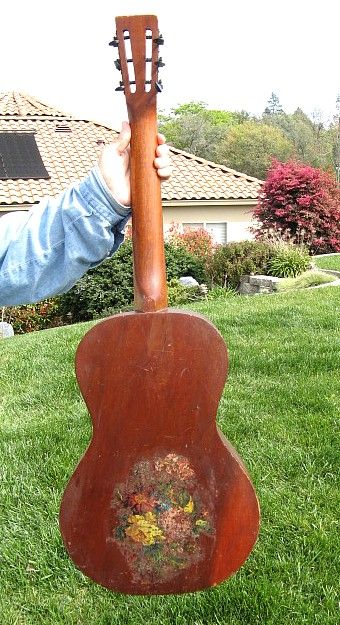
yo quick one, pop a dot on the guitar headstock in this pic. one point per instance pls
(138, 40)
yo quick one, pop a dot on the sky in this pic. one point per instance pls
(230, 55)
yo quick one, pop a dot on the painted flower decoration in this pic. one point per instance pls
(143, 529)
(160, 517)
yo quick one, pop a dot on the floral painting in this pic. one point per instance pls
(161, 518)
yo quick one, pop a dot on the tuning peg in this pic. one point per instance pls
(114, 42)
(121, 86)
(118, 65)
(160, 63)
(159, 86)
(159, 40)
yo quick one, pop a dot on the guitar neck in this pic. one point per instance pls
(150, 288)
(137, 40)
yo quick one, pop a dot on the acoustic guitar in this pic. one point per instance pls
(160, 502)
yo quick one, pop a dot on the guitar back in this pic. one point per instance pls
(160, 502)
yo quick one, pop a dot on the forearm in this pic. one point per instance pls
(44, 252)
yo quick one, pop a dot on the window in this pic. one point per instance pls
(218, 232)
(20, 156)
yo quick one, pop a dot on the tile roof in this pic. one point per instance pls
(68, 156)
(69, 148)
(198, 179)
(22, 105)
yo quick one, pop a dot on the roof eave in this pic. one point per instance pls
(214, 202)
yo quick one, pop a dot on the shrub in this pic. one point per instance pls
(108, 288)
(220, 292)
(180, 262)
(179, 294)
(233, 260)
(197, 242)
(44, 314)
(302, 201)
(288, 262)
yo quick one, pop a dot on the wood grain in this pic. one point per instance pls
(147, 219)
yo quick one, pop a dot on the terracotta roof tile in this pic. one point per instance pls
(197, 178)
(69, 148)
(22, 105)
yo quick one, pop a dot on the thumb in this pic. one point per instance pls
(124, 138)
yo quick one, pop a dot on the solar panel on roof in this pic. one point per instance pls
(20, 156)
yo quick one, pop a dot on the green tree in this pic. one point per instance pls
(251, 146)
(335, 140)
(311, 140)
(194, 128)
(273, 106)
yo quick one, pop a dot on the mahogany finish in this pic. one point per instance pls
(152, 383)
(147, 219)
(160, 502)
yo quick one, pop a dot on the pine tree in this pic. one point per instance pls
(273, 105)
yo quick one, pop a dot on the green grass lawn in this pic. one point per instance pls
(279, 409)
(328, 262)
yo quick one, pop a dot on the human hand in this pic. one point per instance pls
(114, 164)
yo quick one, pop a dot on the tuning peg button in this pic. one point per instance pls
(160, 63)
(118, 65)
(159, 40)
(159, 86)
(114, 42)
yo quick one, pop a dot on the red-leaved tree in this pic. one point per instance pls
(301, 202)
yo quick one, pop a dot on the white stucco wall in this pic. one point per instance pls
(236, 216)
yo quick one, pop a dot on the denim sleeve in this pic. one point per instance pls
(45, 251)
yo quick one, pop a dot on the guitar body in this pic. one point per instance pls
(160, 502)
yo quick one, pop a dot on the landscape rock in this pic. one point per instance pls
(188, 281)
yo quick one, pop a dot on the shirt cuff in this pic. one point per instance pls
(119, 208)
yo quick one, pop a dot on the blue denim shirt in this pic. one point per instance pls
(45, 251)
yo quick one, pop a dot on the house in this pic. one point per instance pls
(43, 150)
